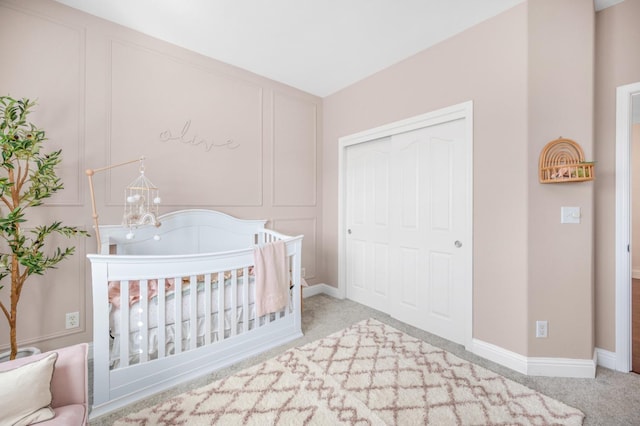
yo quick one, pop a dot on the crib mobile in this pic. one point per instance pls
(142, 200)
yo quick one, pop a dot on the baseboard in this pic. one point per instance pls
(562, 367)
(312, 290)
(531, 366)
(512, 360)
(499, 355)
(535, 366)
(606, 359)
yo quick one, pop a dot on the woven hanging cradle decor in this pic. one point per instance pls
(142, 201)
(562, 160)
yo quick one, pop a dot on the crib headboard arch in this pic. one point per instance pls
(134, 267)
(183, 232)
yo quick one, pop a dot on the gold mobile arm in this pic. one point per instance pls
(90, 173)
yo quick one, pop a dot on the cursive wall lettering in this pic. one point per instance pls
(183, 137)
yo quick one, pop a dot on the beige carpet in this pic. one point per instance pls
(369, 373)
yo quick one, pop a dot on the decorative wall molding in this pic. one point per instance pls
(51, 291)
(60, 88)
(294, 165)
(210, 120)
(307, 227)
(199, 122)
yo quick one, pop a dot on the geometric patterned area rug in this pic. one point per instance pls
(369, 373)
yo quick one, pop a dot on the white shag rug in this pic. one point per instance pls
(369, 373)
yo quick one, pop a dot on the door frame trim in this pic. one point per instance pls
(464, 111)
(623, 225)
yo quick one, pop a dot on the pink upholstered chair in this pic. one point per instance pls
(69, 384)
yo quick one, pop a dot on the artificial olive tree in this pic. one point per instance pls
(27, 178)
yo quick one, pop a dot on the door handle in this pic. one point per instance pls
(458, 244)
(349, 231)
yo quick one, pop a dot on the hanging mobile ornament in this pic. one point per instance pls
(142, 199)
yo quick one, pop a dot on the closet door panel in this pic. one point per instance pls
(367, 240)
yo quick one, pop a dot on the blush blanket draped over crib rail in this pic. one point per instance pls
(272, 284)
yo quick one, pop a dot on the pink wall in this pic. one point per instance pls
(617, 63)
(488, 65)
(560, 104)
(214, 136)
(529, 73)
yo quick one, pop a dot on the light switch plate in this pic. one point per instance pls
(570, 214)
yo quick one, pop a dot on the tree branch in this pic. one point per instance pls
(6, 202)
(5, 311)
(22, 177)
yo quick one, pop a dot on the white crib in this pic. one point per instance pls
(197, 265)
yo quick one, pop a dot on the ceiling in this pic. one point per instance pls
(318, 46)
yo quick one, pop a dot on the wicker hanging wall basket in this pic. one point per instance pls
(562, 160)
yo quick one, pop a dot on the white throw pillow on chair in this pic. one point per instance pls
(25, 392)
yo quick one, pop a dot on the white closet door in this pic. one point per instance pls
(367, 214)
(429, 229)
(406, 223)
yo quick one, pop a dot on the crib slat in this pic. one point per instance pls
(162, 318)
(285, 310)
(143, 323)
(207, 309)
(233, 309)
(220, 305)
(124, 323)
(177, 324)
(193, 312)
(101, 331)
(245, 299)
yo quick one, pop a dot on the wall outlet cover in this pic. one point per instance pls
(542, 329)
(72, 320)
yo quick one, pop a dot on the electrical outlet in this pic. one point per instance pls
(542, 329)
(72, 320)
(303, 272)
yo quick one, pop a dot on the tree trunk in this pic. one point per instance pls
(16, 288)
(12, 334)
